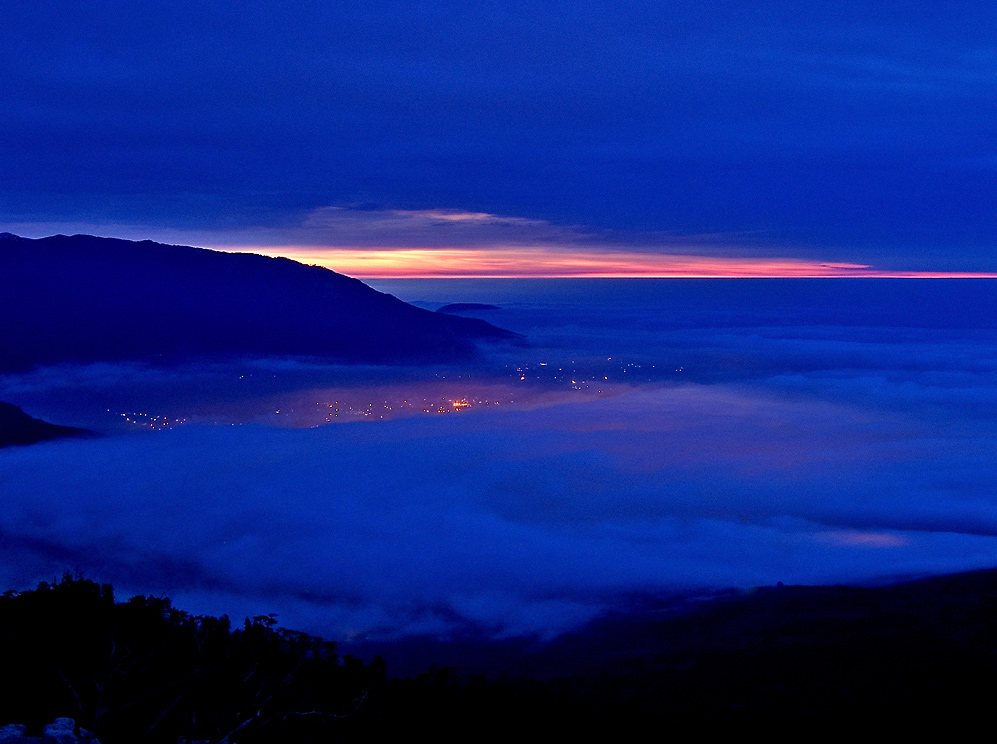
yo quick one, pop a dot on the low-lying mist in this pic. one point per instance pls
(624, 455)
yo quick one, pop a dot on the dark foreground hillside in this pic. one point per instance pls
(783, 662)
(83, 298)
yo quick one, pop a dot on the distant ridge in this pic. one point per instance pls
(85, 298)
(466, 307)
(17, 427)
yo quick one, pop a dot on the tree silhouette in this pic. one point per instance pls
(143, 670)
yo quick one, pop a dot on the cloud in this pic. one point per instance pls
(352, 227)
(757, 432)
(373, 242)
(841, 135)
(516, 522)
(391, 243)
(332, 226)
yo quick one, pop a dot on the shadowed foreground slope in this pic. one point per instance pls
(83, 298)
(824, 658)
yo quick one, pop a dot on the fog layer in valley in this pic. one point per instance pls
(645, 444)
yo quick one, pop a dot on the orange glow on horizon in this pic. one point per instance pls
(541, 262)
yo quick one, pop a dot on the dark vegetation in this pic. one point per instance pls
(83, 298)
(773, 661)
(17, 427)
(143, 670)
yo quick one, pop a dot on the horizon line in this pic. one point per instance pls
(543, 263)
(390, 263)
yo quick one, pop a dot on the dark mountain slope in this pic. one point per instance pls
(17, 427)
(84, 298)
(782, 662)
(778, 660)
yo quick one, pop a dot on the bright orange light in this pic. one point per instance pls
(544, 262)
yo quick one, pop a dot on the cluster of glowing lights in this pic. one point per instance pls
(521, 386)
(152, 422)
(385, 409)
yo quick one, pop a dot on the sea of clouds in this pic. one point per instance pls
(729, 449)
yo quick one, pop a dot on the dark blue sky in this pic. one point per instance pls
(836, 131)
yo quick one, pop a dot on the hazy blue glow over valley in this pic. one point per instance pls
(655, 436)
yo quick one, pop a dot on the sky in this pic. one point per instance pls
(795, 435)
(440, 138)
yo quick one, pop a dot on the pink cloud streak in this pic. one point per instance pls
(545, 262)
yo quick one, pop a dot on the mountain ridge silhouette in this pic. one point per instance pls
(17, 427)
(83, 298)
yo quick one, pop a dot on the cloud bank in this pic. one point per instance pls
(843, 133)
(377, 243)
(510, 523)
(747, 433)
